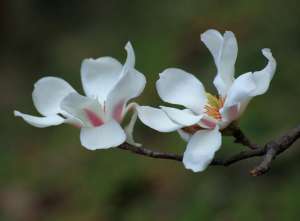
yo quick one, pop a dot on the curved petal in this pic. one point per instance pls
(176, 86)
(240, 93)
(130, 86)
(247, 86)
(41, 122)
(201, 149)
(263, 78)
(88, 110)
(213, 41)
(129, 130)
(208, 122)
(99, 76)
(157, 119)
(184, 135)
(48, 93)
(183, 117)
(230, 114)
(130, 60)
(228, 57)
(224, 50)
(221, 86)
(241, 90)
(106, 136)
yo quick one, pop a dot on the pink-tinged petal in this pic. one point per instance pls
(77, 126)
(231, 113)
(130, 86)
(106, 136)
(79, 107)
(208, 123)
(118, 111)
(93, 118)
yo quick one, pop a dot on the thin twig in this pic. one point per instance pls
(270, 151)
(150, 153)
(235, 131)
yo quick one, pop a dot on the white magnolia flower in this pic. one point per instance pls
(108, 86)
(205, 115)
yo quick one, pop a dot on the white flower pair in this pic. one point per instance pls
(109, 86)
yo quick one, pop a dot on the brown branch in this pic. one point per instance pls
(150, 153)
(274, 148)
(270, 150)
(235, 131)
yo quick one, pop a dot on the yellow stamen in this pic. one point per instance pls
(213, 106)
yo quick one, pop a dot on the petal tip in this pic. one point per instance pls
(194, 168)
(266, 52)
(40, 81)
(228, 33)
(17, 113)
(128, 46)
(85, 60)
(209, 32)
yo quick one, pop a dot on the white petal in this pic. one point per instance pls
(241, 90)
(70, 119)
(51, 120)
(130, 60)
(247, 86)
(201, 149)
(221, 86)
(263, 78)
(130, 86)
(240, 93)
(208, 122)
(231, 113)
(99, 76)
(183, 117)
(129, 131)
(213, 41)
(106, 136)
(224, 50)
(228, 57)
(82, 108)
(184, 135)
(176, 86)
(48, 93)
(157, 119)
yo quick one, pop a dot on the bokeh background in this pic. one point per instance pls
(45, 174)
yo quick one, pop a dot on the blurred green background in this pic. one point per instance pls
(45, 174)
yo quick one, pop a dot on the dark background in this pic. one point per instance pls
(45, 174)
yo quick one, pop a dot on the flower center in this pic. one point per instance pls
(213, 106)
